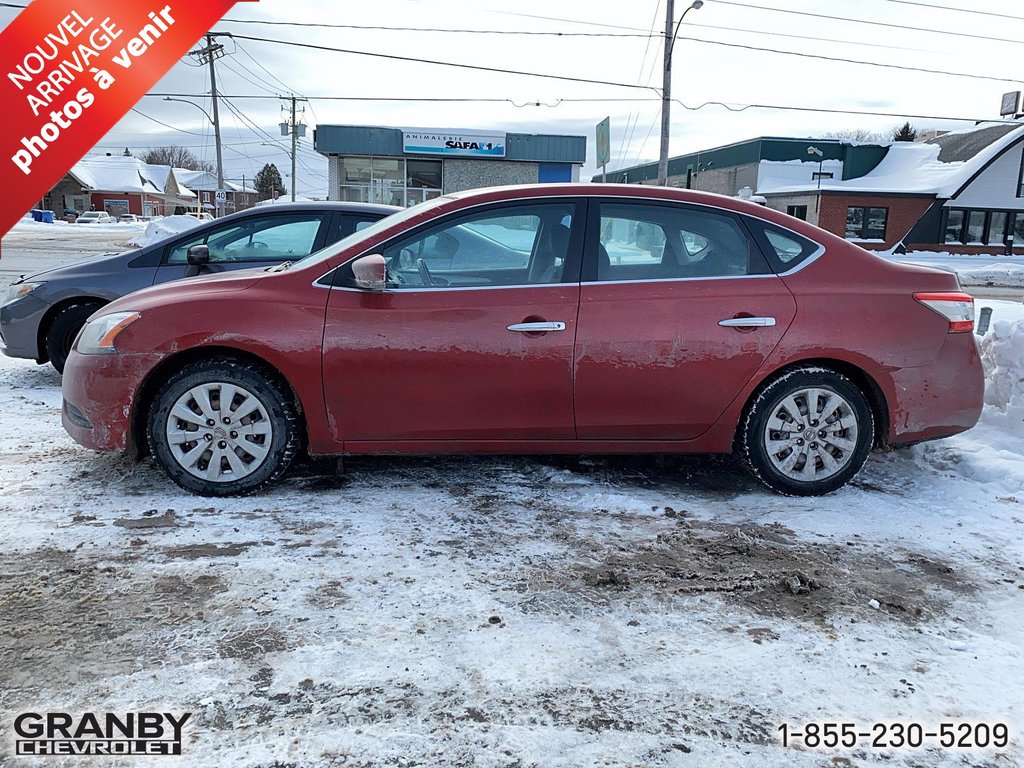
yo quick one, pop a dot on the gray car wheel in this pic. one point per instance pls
(808, 433)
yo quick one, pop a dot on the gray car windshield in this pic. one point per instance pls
(367, 232)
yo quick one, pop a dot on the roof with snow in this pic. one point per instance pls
(939, 167)
(128, 174)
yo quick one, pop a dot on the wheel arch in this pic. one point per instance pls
(167, 367)
(51, 314)
(861, 378)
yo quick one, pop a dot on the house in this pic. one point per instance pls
(238, 197)
(959, 191)
(119, 184)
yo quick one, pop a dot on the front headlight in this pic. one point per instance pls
(18, 290)
(97, 337)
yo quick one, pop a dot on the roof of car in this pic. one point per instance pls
(320, 205)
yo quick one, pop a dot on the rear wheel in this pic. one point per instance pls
(808, 433)
(223, 427)
(63, 330)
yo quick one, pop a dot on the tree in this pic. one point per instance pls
(858, 134)
(176, 157)
(905, 132)
(268, 182)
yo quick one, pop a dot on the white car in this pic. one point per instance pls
(200, 216)
(95, 217)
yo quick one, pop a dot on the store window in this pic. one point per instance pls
(389, 180)
(864, 223)
(996, 228)
(976, 228)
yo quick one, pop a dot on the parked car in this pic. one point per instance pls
(95, 217)
(43, 312)
(549, 319)
(127, 218)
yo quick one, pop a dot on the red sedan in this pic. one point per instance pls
(540, 319)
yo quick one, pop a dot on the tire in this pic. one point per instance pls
(63, 330)
(820, 457)
(242, 455)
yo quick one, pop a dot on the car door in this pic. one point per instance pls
(476, 348)
(678, 309)
(252, 241)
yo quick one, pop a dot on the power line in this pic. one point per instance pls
(165, 125)
(258, 64)
(652, 100)
(385, 28)
(414, 60)
(851, 61)
(958, 10)
(865, 21)
(637, 86)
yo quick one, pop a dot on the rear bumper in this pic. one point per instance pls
(940, 399)
(100, 393)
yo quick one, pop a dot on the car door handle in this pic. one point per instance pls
(536, 327)
(748, 322)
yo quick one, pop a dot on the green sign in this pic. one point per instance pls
(604, 141)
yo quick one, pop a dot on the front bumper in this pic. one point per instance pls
(19, 327)
(100, 396)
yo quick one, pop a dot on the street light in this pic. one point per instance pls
(821, 158)
(666, 87)
(220, 166)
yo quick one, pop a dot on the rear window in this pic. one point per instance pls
(785, 249)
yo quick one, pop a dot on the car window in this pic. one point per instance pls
(785, 249)
(513, 245)
(272, 238)
(666, 242)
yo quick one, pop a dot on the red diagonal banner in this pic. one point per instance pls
(70, 69)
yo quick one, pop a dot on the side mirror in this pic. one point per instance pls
(197, 257)
(370, 272)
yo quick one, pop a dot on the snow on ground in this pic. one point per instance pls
(161, 229)
(32, 246)
(515, 611)
(512, 611)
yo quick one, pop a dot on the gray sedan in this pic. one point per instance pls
(43, 313)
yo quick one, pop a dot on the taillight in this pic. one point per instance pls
(957, 308)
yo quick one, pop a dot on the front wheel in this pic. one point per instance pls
(808, 433)
(223, 427)
(63, 331)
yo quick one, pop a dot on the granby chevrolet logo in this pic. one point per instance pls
(134, 733)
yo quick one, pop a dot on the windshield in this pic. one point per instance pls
(368, 232)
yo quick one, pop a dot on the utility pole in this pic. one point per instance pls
(212, 51)
(666, 83)
(666, 94)
(296, 129)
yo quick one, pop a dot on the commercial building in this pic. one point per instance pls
(960, 191)
(398, 166)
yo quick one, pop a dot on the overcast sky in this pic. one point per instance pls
(617, 49)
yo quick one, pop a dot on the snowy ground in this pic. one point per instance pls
(518, 611)
(973, 271)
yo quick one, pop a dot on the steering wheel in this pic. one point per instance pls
(425, 275)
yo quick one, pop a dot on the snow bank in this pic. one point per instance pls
(1002, 353)
(161, 229)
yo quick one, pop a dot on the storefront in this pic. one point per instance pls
(398, 166)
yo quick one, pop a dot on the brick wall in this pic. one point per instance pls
(904, 211)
